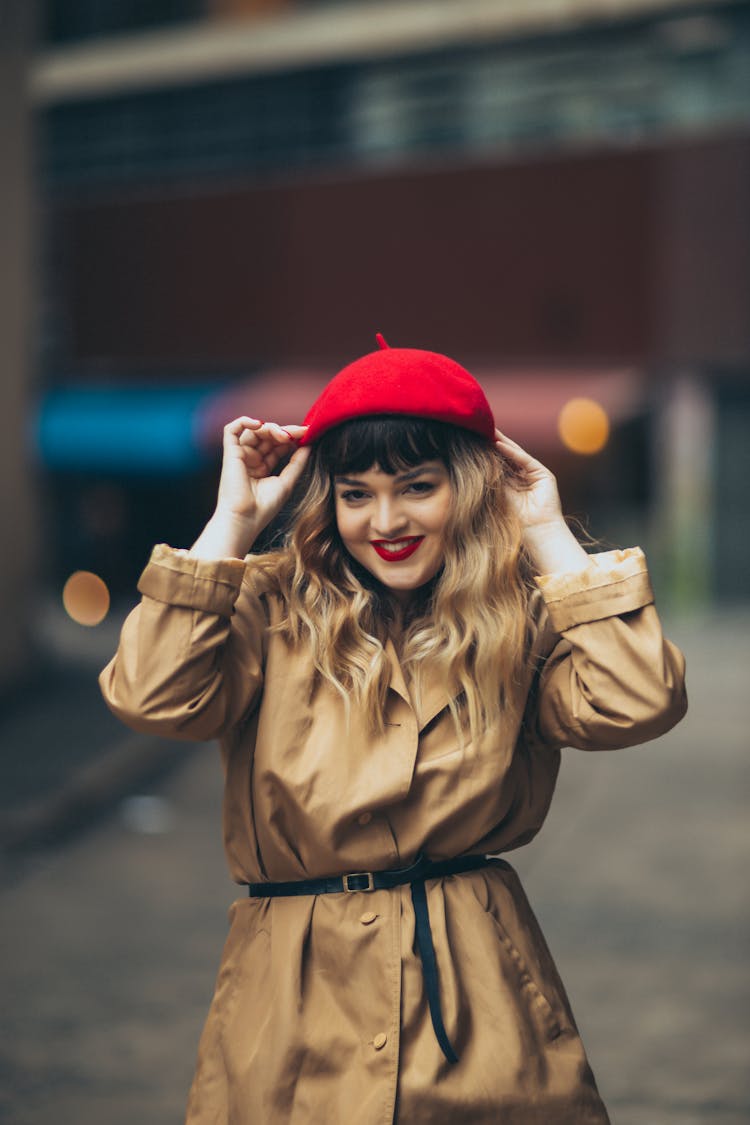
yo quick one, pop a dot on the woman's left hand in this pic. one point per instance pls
(532, 488)
(533, 496)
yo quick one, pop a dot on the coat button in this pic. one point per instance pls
(367, 917)
(380, 1040)
(364, 818)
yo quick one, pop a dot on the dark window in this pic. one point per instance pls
(66, 20)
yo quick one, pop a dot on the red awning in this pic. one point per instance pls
(526, 402)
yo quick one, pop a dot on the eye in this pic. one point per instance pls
(421, 487)
(352, 495)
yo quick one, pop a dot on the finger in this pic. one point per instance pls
(253, 458)
(269, 432)
(292, 471)
(253, 439)
(259, 471)
(241, 433)
(515, 459)
(292, 431)
(503, 439)
(262, 461)
(270, 446)
(237, 425)
(516, 452)
(296, 432)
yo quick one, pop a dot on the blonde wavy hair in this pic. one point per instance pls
(467, 628)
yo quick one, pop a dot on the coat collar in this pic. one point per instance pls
(434, 696)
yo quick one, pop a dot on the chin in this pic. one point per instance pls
(407, 586)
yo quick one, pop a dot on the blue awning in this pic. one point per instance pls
(123, 429)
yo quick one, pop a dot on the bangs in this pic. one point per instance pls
(393, 442)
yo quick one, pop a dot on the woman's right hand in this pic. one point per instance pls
(251, 493)
(249, 488)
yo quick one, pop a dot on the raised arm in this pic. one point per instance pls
(190, 659)
(608, 676)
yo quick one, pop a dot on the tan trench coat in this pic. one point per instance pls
(319, 1013)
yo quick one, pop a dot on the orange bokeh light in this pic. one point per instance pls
(86, 598)
(583, 426)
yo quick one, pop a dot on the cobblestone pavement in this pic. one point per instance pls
(110, 942)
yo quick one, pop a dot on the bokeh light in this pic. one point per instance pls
(86, 598)
(583, 425)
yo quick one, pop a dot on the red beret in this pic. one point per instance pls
(401, 381)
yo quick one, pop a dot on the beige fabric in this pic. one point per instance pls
(319, 1013)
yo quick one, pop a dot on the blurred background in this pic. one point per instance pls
(209, 207)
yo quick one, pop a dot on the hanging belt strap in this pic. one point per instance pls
(415, 874)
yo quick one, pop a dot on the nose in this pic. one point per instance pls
(388, 520)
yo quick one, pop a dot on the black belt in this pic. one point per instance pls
(416, 874)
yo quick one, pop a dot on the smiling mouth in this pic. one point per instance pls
(394, 550)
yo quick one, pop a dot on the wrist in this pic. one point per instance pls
(237, 523)
(226, 535)
(553, 548)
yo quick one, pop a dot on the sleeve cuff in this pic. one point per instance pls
(177, 578)
(615, 582)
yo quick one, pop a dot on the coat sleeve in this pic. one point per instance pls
(189, 664)
(608, 676)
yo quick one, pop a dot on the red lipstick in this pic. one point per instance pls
(410, 545)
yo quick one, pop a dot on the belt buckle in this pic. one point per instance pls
(359, 875)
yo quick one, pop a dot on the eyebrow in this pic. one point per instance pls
(400, 477)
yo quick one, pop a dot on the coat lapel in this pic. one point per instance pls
(434, 699)
(398, 683)
(434, 696)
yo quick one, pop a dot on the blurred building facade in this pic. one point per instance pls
(546, 191)
(21, 537)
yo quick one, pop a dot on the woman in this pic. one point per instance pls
(391, 688)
